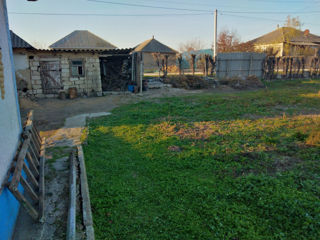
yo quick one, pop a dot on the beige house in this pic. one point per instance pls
(153, 46)
(287, 41)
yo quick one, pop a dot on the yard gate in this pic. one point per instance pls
(50, 76)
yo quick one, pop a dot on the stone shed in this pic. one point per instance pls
(56, 70)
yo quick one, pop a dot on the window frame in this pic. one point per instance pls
(77, 65)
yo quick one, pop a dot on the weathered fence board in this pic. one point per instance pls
(30, 160)
(242, 64)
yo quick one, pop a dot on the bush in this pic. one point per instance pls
(187, 82)
(243, 83)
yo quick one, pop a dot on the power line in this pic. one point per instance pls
(271, 12)
(149, 6)
(250, 17)
(109, 15)
(261, 18)
(213, 5)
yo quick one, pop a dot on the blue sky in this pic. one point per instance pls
(249, 18)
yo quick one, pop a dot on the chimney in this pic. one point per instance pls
(306, 32)
(277, 26)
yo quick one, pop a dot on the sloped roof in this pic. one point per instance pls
(82, 39)
(99, 51)
(18, 42)
(154, 46)
(286, 34)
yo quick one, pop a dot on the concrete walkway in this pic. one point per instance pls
(70, 134)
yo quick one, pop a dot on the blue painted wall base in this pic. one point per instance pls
(9, 209)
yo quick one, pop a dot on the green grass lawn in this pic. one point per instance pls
(215, 166)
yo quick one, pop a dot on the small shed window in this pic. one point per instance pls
(77, 69)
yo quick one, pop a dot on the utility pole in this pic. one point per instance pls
(215, 46)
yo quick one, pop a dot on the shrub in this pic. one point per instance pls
(187, 82)
(243, 83)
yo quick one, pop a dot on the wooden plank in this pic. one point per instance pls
(86, 205)
(29, 120)
(32, 165)
(10, 170)
(41, 181)
(30, 176)
(37, 133)
(36, 137)
(29, 190)
(35, 150)
(71, 227)
(34, 156)
(17, 172)
(35, 140)
(31, 211)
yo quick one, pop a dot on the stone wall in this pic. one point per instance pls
(89, 84)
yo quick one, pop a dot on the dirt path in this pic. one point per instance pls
(50, 114)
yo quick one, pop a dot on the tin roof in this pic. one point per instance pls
(82, 39)
(18, 42)
(154, 46)
(287, 34)
(99, 51)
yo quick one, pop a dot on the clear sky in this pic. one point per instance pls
(249, 18)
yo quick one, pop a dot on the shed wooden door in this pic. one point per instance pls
(50, 76)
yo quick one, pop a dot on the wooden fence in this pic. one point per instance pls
(28, 170)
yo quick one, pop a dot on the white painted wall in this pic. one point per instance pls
(10, 123)
(20, 61)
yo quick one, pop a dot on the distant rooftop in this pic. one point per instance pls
(82, 39)
(287, 34)
(154, 46)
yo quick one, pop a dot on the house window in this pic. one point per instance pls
(77, 69)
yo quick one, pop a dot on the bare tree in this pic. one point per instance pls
(165, 65)
(201, 63)
(180, 63)
(157, 59)
(227, 41)
(293, 22)
(192, 62)
(190, 46)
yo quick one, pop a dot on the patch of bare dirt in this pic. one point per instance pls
(284, 163)
(251, 82)
(51, 113)
(196, 131)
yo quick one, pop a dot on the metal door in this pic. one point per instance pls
(50, 76)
